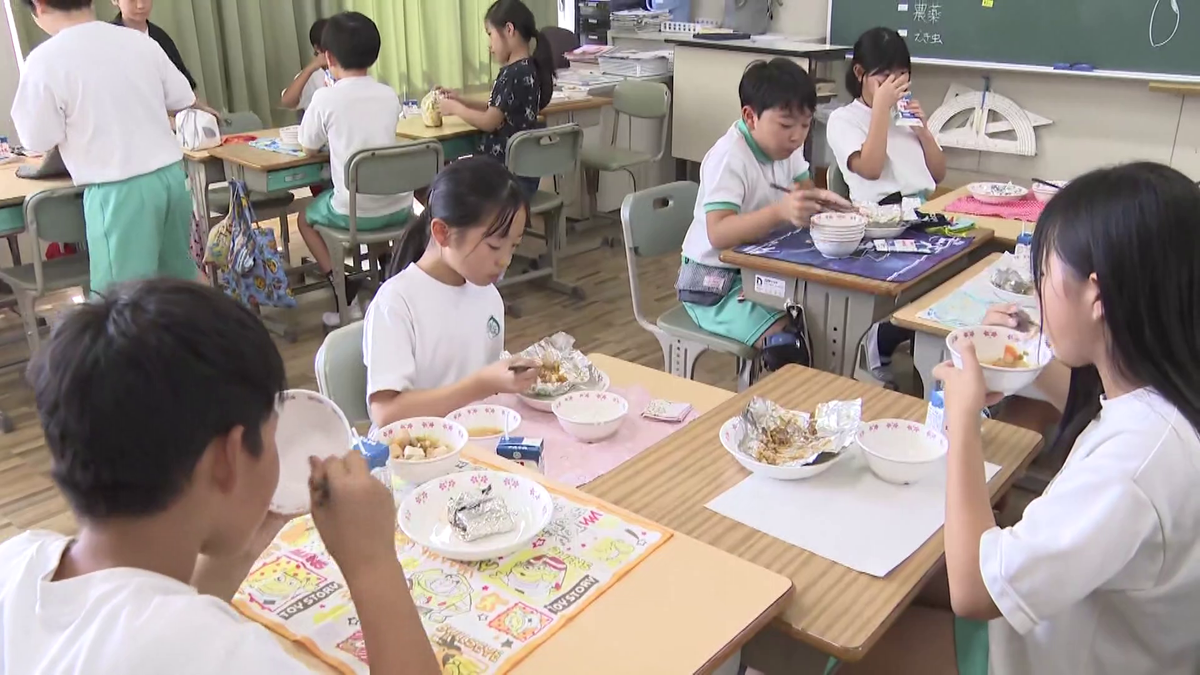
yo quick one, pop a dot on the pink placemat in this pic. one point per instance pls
(1027, 208)
(575, 462)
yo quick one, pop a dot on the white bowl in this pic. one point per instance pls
(1043, 193)
(901, 451)
(996, 193)
(590, 416)
(838, 220)
(452, 434)
(989, 344)
(546, 403)
(479, 418)
(422, 514)
(731, 432)
(290, 136)
(884, 232)
(837, 235)
(836, 249)
(309, 425)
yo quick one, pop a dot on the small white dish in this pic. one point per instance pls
(590, 416)
(486, 424)
(451, 434)
(837, 219)
(901, 451)
(1043, 192)
(996, 193)
(546, 403)
(884, 232)
(990, 342)
(422, 514)
(309, 425)
(730, 434)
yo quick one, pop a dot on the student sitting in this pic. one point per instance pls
(435, 331)
(158, 404)
(313, 78)
(101, 94)
(1102, 573)
(522, 89)
(879, 159)
(744, 195)
(356, 113)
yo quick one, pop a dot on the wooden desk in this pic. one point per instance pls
(14, 190)
(204, 169)
(702, 397)
(839, 308)
(837, 610)
(929, 345)
(267, 171)
(1006, 230)
(686, 608)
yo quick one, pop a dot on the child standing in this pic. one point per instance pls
(355, 114)
(158, 404)
(102, 94)
(1102, 573)
(522, 89)
(435, 331)
(740, 201)
(135, 14)
(315, 75)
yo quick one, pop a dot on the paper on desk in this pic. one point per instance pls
(846, 514)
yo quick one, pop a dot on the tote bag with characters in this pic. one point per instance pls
(249, 266)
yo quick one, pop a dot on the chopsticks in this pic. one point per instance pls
(1047, 183)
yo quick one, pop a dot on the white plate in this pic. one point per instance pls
(730, 433)
(546, 403)
(996, 193)
(310, 425)
(423, 516)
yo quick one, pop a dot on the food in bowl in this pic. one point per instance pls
(484, 432)
(1003, 371)
(1013, 357)
(881, 215)
(774, 442)
(789, 438)
(552, 373)
(409, 447)
(590, 416)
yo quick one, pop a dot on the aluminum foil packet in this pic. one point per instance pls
(477, 513)
(775, 435)
(1007, 276)
(563, 368)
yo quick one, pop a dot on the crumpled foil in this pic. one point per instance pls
(1012, 280)
(775, 435)
(881, 215)
(477, 513)
(559, 350)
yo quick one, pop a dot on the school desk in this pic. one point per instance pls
(203, 170)
(838, 307)
(929, 345)
(687, 608)
(1006, 230)
(837, 610)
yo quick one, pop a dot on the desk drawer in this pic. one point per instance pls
(297, 177)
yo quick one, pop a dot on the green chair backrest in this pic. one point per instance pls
(647, 100)
(537, 153)
(835, 181)
(341, 373)
(656, 220)
(240, 123)
(57, 215)
(394, 169)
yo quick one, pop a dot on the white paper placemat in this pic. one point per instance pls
(846, 514)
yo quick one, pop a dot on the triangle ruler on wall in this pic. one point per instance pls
(969, 120)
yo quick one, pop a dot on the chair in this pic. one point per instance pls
(632, 99)
(266, 205)
(654, 223)
(835, 182)
(341, 372)
(538, 153)
(51, 216)
(390, 170)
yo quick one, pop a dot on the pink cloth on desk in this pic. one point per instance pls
(574, 462)
(1028, 208)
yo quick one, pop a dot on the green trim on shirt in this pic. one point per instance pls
(722, 206)
(754, 147)
(807, 175)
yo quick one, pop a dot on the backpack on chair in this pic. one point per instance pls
(792, 345)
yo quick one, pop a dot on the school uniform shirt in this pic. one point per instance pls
(517, 93)
(315, 83)
(1102, 574)
(423, 334)
(904, 171)
(121, 621)
(736, 175)
(107, 128)
(156, 33)
(354, 114)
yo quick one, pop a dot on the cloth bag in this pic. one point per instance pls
(197, 130)
(249, 266)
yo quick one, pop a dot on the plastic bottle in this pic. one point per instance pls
(1023, 249)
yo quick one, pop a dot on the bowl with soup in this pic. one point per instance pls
(423, 448)
(1011, 360)
(486, 424)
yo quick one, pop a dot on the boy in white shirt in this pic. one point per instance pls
(158, 404)
(314, 76)
(356, 113)
(102, 94)
(744, 182)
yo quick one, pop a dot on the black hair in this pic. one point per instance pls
(133, 387)
(62, 5)
(879, 50)
(353, 40)
(504, 12)
(1134, 227)
(463, 196)
(316, 33)
(778, 84)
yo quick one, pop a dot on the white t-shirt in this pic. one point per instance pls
(354, 114)
(315, 82)
(119, 622)
(101, 93)
(423, 334)
(736, 175)
(905, 170)
(1102, 574)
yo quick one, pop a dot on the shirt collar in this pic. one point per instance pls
(754, 147)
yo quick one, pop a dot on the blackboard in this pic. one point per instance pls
(1135, 36)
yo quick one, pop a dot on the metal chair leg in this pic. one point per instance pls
(26, 304)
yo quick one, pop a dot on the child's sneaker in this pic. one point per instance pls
(334, 320)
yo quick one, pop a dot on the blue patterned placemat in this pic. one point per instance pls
(968, 304)
(273, 145)
(796, 246)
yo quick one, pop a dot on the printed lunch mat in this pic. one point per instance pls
(967, 305)
(480, 617)
(796, 246)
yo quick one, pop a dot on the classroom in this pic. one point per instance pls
(745, 337)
